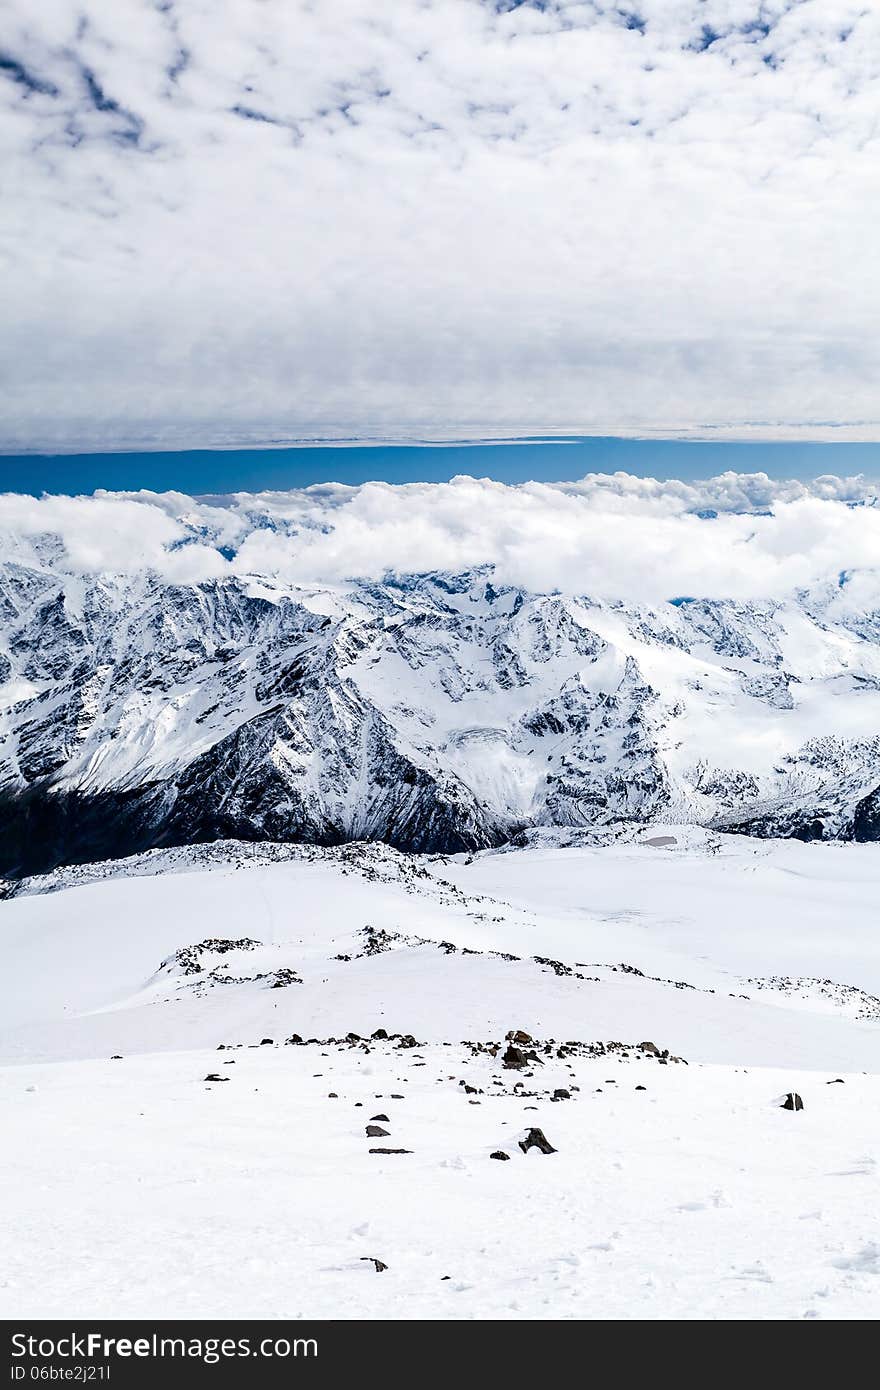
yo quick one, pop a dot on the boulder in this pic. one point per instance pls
(514, 1059)
(536, 1139)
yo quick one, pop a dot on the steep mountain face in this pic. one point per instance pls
(436, 712)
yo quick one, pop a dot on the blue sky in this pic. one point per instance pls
(210, 471)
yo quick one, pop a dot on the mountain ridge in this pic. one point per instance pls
(437, 712)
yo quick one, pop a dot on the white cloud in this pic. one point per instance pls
(107, 534)
(234, 221)
(736, 536)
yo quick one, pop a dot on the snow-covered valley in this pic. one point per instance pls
(673, 984)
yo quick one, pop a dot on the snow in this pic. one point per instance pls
(131, 1186)
(270, 708)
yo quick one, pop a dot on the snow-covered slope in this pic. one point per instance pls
(720, 948)
(437, 712)
(291, 1062)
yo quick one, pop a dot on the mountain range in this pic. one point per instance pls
(437, 712)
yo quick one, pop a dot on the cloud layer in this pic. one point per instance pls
(235, 221)
(610, 536)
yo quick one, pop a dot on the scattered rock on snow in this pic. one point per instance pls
(514, 1059)
(536, 1139)
(499, 1153)
(792, 1101)
(380, 1265)
(377, 1132)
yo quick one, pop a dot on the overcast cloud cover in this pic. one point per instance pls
(609, 536)
(250, 220)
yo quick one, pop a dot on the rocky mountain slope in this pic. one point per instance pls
(437, 712)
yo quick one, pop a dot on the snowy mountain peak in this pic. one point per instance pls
(435, 711)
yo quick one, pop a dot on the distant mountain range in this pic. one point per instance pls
(436, 712)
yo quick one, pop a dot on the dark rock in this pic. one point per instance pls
(499, 1153)
(379, 1033)
(517, 1035)
(390, 1151)
(331, 1095)
(213, 1076)
(284, 977)
(536, 1139)
(649, 1047)
(381, 1118)
(838, 1081)
(792, 1101)
(267, 1042)
(377, 1132)
(641, 1088)
(561, 1094)
(117, 1057)
(514, 1059)
(379, 1264)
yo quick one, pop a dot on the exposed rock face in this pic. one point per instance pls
(435, 712)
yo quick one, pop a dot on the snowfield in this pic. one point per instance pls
(679, 1186)
(134, 1189)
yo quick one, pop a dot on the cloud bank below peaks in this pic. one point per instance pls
(608, 536)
